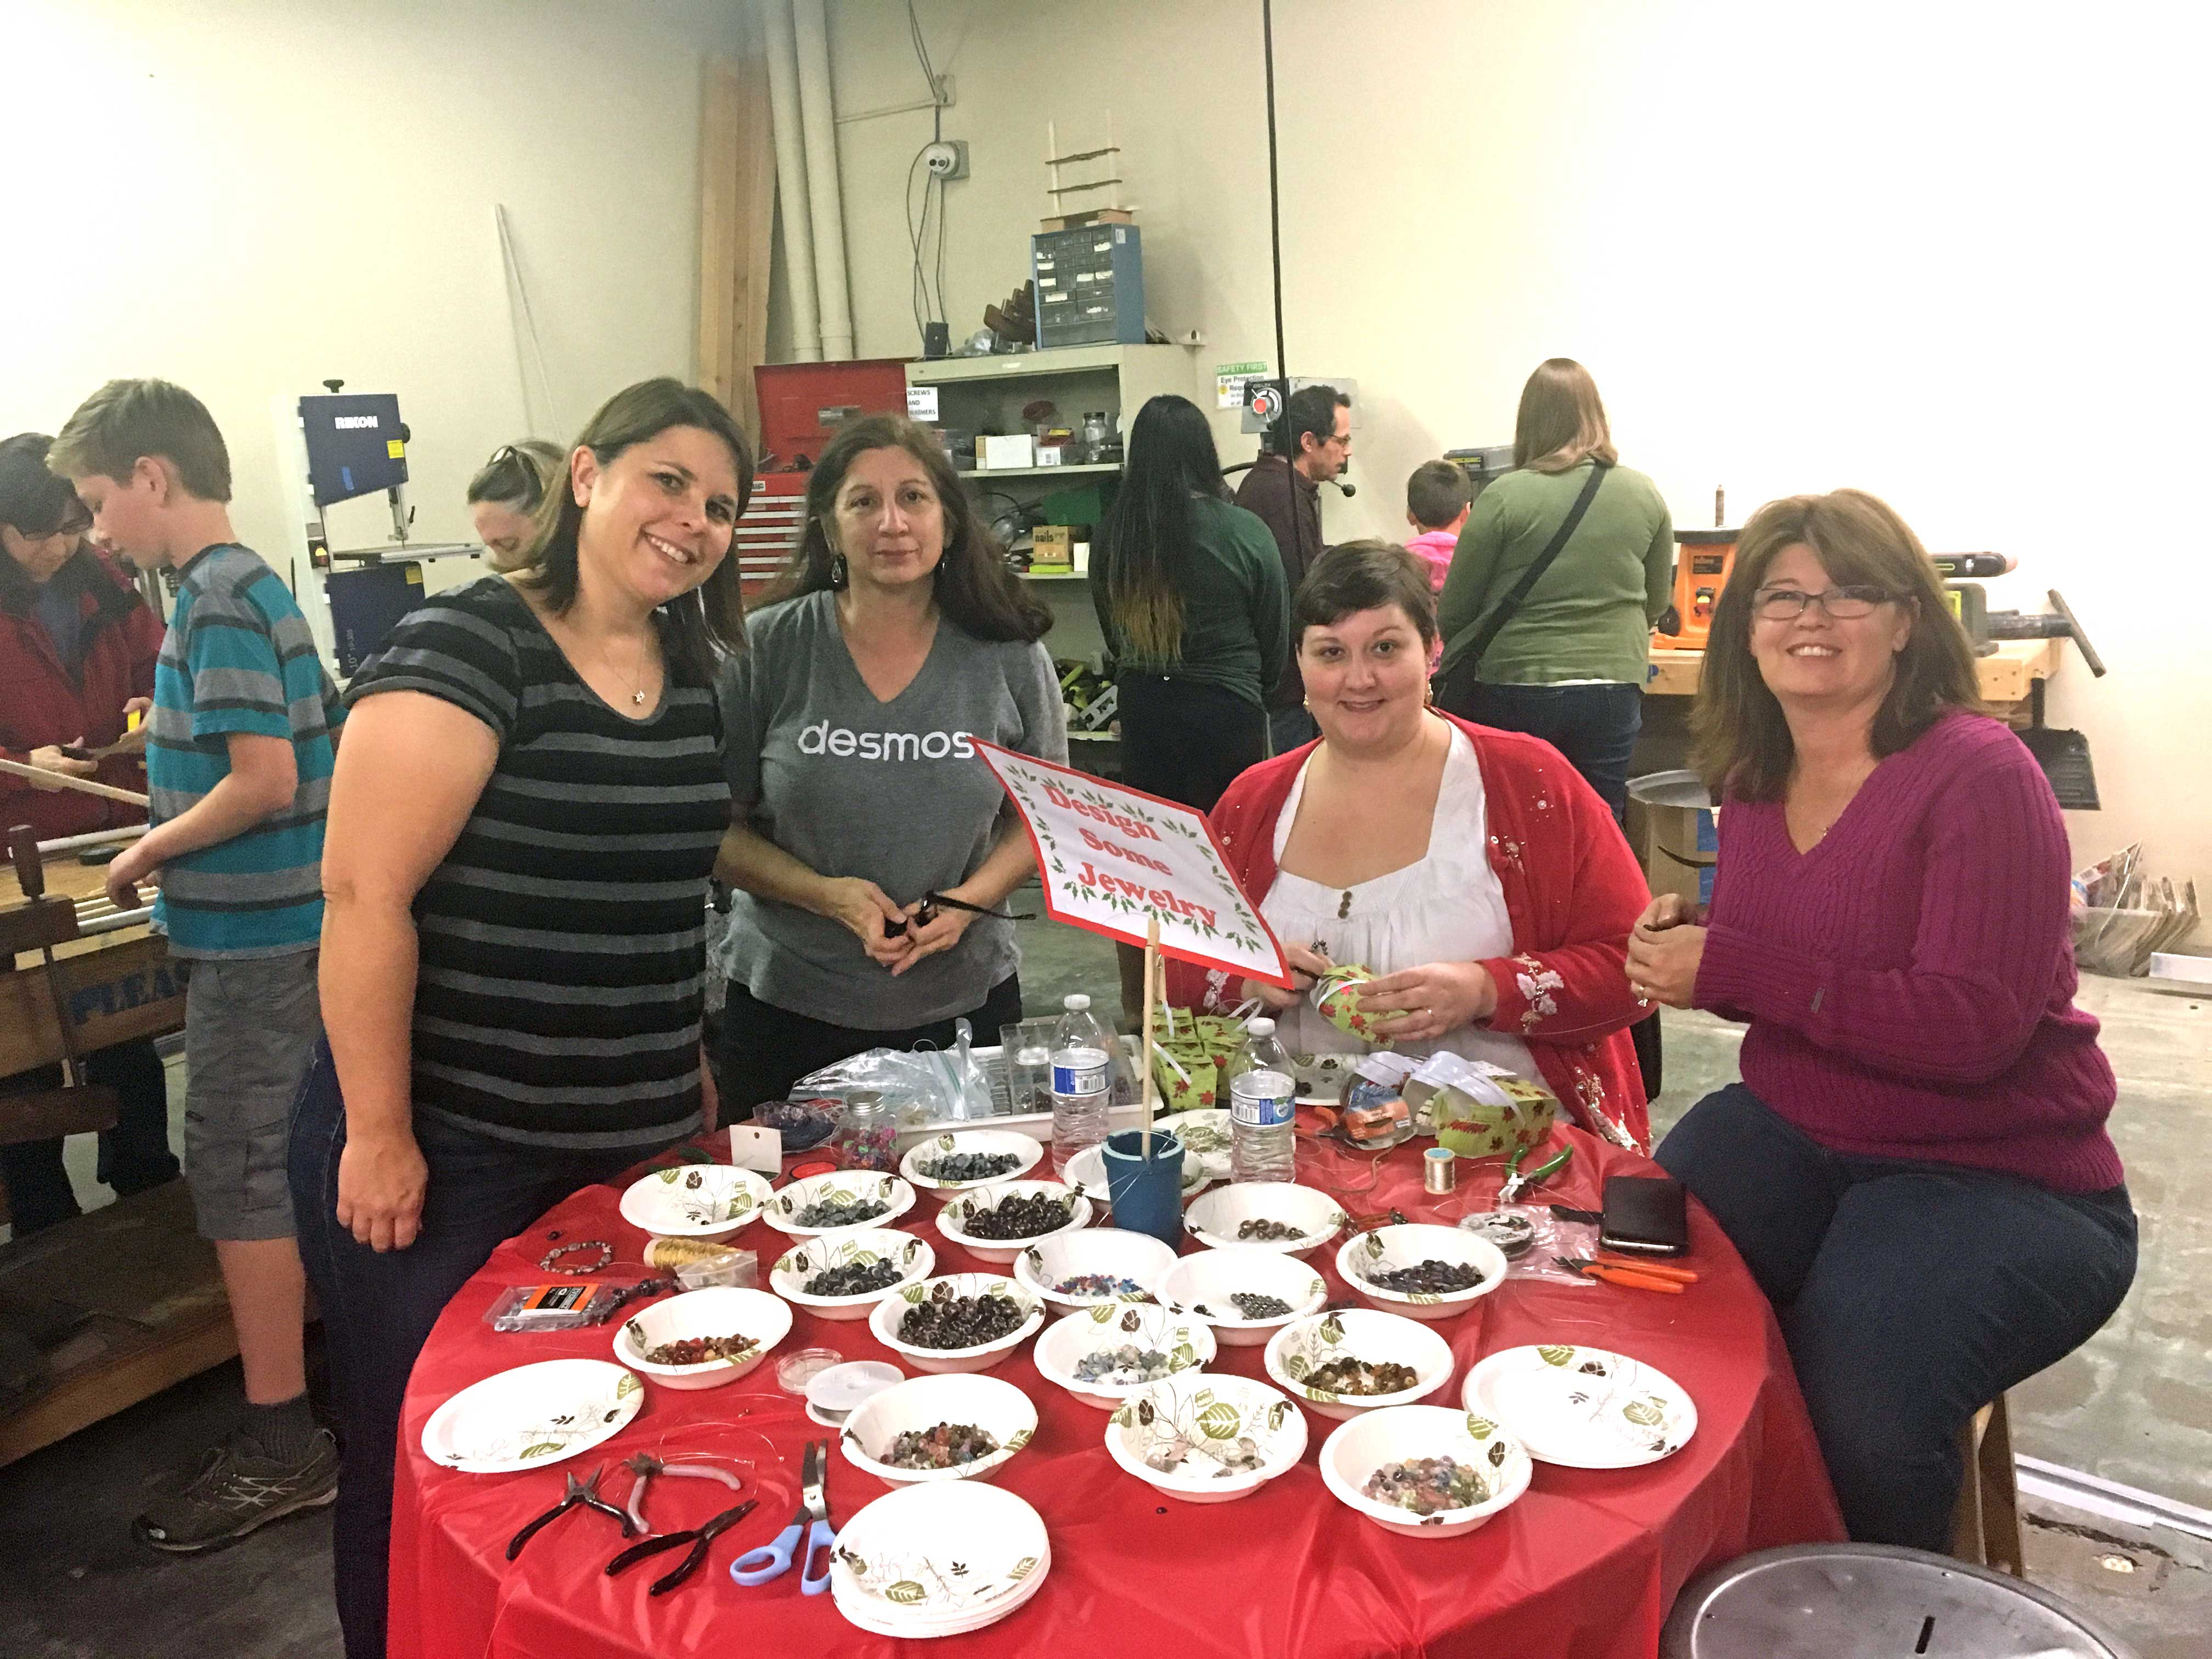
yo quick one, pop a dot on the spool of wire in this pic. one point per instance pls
(1439, 1170)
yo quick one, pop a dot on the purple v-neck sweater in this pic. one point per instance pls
(1909, 981)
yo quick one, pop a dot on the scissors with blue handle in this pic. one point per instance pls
(810, 1522)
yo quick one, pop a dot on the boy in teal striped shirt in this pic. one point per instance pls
(238, 765)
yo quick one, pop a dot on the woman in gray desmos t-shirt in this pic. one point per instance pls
(899, 638)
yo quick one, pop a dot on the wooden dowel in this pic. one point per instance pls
(62, 780)
(1153, 989)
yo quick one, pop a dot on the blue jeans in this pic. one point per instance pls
(377, 1309)
(1594, 726)
(1910, 1294)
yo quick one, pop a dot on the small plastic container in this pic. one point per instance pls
(802, 1365)
(866, 1136)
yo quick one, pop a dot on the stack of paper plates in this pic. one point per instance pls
(938, 1560)
(1585, 1408)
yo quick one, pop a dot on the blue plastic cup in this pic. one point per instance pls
(1146, 1192)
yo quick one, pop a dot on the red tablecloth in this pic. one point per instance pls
(1583, 1567)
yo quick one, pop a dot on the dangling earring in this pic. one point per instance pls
(840, 573)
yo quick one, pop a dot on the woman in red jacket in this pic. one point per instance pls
(77, 647)
(1472, 869)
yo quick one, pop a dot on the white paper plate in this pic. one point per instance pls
(859, 1613)
(532, 1415)
(1205, 1137)
(695, 1201)
(928, 1557)
(1584, 1408)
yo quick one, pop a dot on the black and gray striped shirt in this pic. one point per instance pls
(562, 938)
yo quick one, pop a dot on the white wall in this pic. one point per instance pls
(247, 197)
(1941, 250)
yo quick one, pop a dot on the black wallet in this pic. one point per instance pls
(1648, 1215)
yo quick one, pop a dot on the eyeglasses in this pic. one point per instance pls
(73, 521)
(1842, 603)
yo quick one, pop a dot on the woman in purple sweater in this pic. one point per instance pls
(1915, 1165)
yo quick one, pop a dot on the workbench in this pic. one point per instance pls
(127, 1299)
(2005, 673)
(116, 986)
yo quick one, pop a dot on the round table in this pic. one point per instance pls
(1584, 1566)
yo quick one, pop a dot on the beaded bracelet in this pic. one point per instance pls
(550, 1262)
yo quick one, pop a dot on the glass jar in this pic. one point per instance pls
(867, 1137)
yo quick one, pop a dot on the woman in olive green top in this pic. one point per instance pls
(1190, 595)
(1569, 664)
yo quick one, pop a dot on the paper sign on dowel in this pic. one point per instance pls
(1110, 857)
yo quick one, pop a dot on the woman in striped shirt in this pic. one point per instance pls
(526, 810)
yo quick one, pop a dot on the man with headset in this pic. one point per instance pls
(1308, 446)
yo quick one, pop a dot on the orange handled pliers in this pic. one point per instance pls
(1643, 1276)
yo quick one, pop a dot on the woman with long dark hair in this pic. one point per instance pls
(1190, 595)
(526, 809)
(896, 640)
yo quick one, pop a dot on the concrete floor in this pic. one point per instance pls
(2133, 1406)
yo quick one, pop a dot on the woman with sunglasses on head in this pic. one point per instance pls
(505, 496)
(77, 649)
(899, 639)
(526, 810)
(1915, 1165)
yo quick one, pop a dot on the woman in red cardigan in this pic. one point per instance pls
(77, 647)
(1472, 870)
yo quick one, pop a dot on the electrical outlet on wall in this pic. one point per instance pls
(946, 158)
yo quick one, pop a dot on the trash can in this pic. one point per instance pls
(1873, 1602)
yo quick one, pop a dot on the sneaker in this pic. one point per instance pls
(238, 1489)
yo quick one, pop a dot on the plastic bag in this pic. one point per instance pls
(922, 1086)
(1553, 1236)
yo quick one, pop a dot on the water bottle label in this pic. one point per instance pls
(1080, 1072)
(1262, 1100)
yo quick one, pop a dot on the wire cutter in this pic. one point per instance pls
(1518, 1182)
(583, 1493)
(814, 1508)
(699, 1537)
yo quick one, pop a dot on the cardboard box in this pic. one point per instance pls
(1052, 550)
(1677, 844)
(1017, 450)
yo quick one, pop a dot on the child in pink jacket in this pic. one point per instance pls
(1436, 505)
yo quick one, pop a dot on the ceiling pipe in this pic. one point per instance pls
(818, 120)
(798, 209)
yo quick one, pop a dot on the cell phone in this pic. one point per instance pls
(1648, 1215)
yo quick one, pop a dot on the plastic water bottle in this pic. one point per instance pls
(1262, 1109)
(1082, 1082)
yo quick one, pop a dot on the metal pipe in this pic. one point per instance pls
(818, 121)
(110, 924)
(791, 184)
(97, 838)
